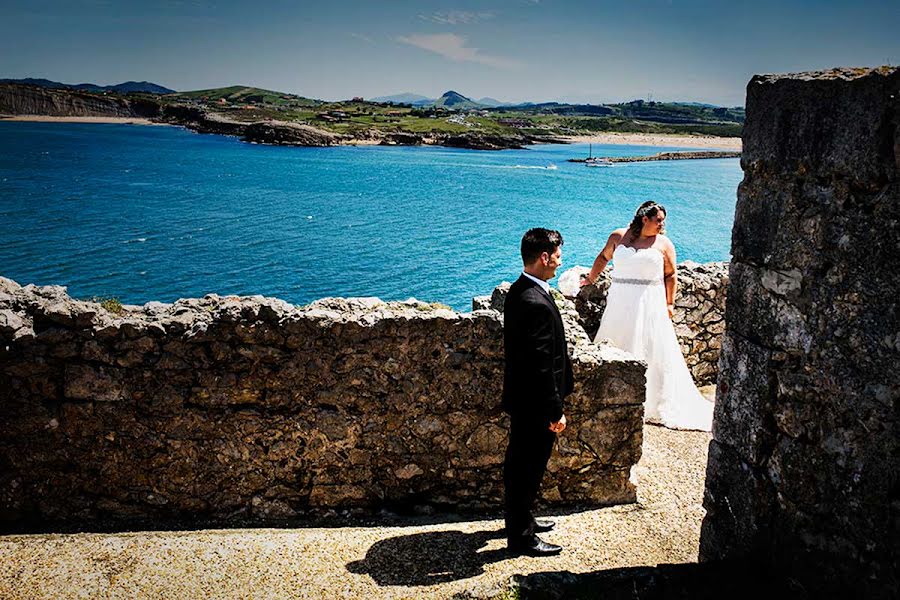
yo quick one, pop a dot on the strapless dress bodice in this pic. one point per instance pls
(637, 264)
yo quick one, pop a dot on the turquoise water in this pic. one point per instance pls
(157, 213)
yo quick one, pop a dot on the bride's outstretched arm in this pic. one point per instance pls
(670, 276)
(603, 258)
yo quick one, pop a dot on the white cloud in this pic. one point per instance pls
(360, 36)
(457, 17)
(452, 46)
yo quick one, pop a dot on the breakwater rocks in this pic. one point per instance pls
(227, 410)
(802, 474)
(663, 156)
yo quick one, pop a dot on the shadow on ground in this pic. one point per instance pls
(429, 558)
(692, 581)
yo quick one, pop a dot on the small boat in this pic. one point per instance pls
(597, 162)
(551, 167)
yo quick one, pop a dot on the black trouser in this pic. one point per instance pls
(530, 444)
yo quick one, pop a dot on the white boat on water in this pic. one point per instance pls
(597, 162)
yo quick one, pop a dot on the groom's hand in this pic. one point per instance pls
(558, 426)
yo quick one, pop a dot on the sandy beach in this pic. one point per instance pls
(48, 119)
(658, 139)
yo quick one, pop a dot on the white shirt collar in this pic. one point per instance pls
(544, 285)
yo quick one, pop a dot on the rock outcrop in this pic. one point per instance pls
(281, 133)
(249, 410)
(803, 470)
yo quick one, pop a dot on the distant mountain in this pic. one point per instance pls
(405, 98)
(38, 82)
(488, 101)
(242, 94)
(455, 101)
(139, 86)
(121, 88)
(703, 104)
(450, 100)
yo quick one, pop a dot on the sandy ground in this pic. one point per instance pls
(46, 119)
(436, 560)
(659, 139)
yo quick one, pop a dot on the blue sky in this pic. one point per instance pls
(513, 50)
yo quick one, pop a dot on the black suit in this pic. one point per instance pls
(538, 375)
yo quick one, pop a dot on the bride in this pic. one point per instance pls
(638, 317)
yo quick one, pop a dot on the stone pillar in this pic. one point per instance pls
(803, 473)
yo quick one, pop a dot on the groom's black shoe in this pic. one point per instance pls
(543, 525)
(534, 547)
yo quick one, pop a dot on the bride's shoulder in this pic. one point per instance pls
(665, 241)
(617, 235)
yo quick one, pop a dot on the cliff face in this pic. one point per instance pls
(249, 410)
(32, 100)
(802, 473)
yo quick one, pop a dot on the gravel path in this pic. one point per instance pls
(415, 561)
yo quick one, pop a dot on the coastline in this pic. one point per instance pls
(612, 138)
(50, 119)
(658, 139)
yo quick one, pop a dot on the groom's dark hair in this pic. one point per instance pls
(537, 241)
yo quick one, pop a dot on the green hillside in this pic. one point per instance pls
(239, 94)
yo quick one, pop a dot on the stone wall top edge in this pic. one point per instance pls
(374, 309)
(53, 306)
(844, 73)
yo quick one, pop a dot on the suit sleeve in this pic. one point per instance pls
(539, 338)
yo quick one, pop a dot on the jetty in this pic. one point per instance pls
(663, 156)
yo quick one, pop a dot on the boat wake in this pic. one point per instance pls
(547, 168)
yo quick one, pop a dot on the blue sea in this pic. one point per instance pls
(145, 213)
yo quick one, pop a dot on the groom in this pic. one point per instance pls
(538, 376)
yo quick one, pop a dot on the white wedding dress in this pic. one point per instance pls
(636, 321)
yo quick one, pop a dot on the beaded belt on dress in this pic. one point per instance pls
(637, 281)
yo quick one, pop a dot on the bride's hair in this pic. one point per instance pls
(648, 209)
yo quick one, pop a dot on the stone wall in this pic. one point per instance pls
(803, 470)
(249, 410)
